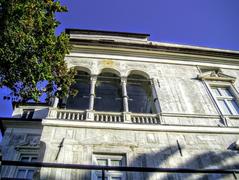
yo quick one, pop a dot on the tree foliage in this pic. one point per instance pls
(30, 52)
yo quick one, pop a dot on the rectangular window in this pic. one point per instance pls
(26, 172)
(109, 160)
(226, 100)
(28, 113)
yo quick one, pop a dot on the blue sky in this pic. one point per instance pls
(196, 22)
(210, 23)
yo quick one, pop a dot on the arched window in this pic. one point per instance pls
(81, 100)
(140, 94)
(108, 93)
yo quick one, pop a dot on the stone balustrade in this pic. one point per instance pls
(145, 119)
(108, 117)
(71, 115)
(44, 112)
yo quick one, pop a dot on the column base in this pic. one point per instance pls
(127, 117)
(90, 115)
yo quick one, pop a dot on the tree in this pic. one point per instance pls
(30, 52)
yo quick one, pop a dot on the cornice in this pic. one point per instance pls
(161, 47)
(156, 56)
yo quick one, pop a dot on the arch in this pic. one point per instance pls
(80, 99)
(110, 70)
(81, 68)
(139, 91)
(108, 92)
(138, 72)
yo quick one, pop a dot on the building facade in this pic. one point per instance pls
(139, 104)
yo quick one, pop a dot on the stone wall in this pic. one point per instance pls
(141, 148)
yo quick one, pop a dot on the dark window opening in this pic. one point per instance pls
(108, 93)
(28, 113)
(140, 95)
(82, 85)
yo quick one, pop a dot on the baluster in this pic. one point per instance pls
(155, 121)
(151, 120)
(64, 115)
(106, 118)
(96, 117)
(101, 117)
(110, 119)
(137, 119)
(78, 116)
(81, 117)
(114, 119)
(120, 118)
(142, 120)
(146, 120)
(68, 115)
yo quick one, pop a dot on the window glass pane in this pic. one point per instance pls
(140, 95)
(115, 178)
(30, 174)
(25, 159)
(223, 107)
(116, 163)
(81, 100)
(215, 91)
(108, 93)
(21, 173)
(100, 178)
(233, 106)
(102, 162)
(34, 159)
(112, 160)
(225, 92)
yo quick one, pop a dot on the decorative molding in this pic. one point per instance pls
(142, 127)
(30, 141)
(216, 76)
(151, 56)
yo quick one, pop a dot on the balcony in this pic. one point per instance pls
(104, 117)
(174, 119)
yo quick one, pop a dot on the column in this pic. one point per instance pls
(93, 80)
(124, 94)
(126, 113)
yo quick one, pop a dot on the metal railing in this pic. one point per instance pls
(119, 168)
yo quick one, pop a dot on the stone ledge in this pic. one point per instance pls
(141, 127)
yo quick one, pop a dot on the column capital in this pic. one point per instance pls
(123, 79)
(93, 77)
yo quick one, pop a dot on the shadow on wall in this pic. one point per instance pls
(36, 175)
(177, 159)
(169, 157)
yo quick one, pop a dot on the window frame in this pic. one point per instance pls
(30, 155)
(112, 80)
(109, 157)
(230, 87)
(144, 84)
(82, 78)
